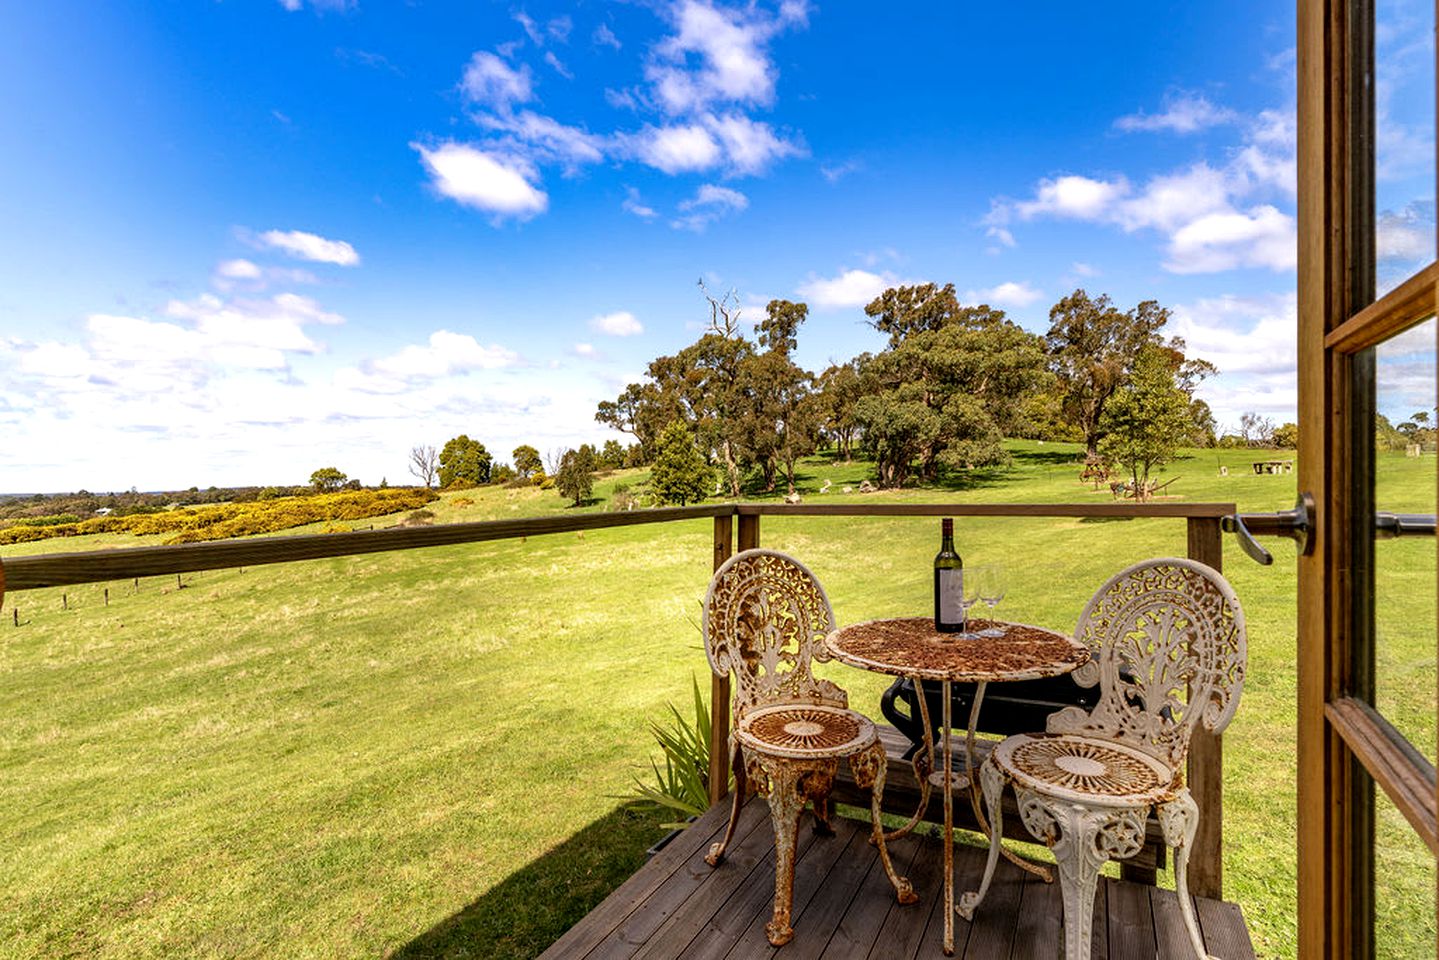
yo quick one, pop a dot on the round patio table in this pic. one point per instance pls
(911, 647)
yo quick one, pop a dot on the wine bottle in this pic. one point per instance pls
(948, 583)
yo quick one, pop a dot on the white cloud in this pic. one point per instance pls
(446, 354)
(309, 246)
(532, 29)
(1080, 269)
(1260, 237)
(851, 288)
(559, 28)
(1214, 218)
(685, 148)
(557, 65)
(709, 203)
(545, 138)
(1009, 294)
(585, 349)
(834, 173)
(474, 178)
(1076, 197)
(750, 146)
(1253, 342)
(733, 67)
(605, 37)
(622, 323)
(1406, 236)
(238, 270)
(1183, 113)
(320, 6)
(633, 204)
(490, 81)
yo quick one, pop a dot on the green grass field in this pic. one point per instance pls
(423, 754)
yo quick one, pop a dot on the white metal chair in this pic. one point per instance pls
(1176, 631)
(765, 619)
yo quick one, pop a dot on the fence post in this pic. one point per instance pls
(719, 686)
(1205, 773)
(748, 531)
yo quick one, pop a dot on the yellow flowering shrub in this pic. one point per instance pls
(222, 521)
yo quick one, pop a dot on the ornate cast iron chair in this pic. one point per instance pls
(1167, 647)
(765, 619)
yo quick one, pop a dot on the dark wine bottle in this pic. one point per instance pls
(948, 584)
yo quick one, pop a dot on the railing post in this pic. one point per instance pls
(1206, 751)
(748, 531)
(719, 686)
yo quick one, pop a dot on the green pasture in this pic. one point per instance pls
(424, 754)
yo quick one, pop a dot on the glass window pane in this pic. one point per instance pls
(1403, 887)
(1405, 568)
(1404, 139)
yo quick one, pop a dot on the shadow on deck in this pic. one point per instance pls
(677, 906)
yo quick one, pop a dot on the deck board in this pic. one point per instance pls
(676, 906)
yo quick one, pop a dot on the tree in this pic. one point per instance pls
(1203, 434)
(464, 461)
(1257, 431)
(612, 456)
(327, 479)
(575, 478)
(776, 418)
(424, 464)
(1146, 421)
(1092, 348)
(680, 474)
(951, 382)
(840, 388)
(527, 461)
(1287, 437)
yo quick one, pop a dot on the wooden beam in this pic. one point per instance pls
(1117, 509)
(1205, 772)
(1412, 302)
(1405, 774)
(719, 685)
(58, 569)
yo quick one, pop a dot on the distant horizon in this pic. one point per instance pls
(318, 232)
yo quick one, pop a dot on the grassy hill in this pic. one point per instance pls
(420, 753)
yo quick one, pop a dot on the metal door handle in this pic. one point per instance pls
(1297, 524)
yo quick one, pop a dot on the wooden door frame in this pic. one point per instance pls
(1330, 187)
(1345, 746)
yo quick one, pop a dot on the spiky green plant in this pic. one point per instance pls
(682, 785)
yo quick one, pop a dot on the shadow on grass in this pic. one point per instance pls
(529, 910)
(1047, 457)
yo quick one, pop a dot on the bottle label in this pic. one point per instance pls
(951, 595)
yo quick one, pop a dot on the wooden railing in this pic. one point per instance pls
(1205, 773)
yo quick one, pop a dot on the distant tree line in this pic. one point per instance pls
(952, 382)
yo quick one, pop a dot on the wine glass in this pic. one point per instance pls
(971, 596)
(992, 588)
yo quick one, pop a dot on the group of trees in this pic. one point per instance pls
(745, 401)
(951, 383)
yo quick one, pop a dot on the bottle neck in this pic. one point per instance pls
(946, 544)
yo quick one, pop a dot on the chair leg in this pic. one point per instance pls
(823, 812)
(992, 782)
(741, 786)
(1180, 821)
(786, 803)
(869, 767)
(1082, 839)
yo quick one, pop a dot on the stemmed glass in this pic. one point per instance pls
(971, 595)
(992, 588)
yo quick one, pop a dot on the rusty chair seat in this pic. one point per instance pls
(806, 731)
(1094, 771)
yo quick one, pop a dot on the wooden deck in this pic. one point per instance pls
(677, 906)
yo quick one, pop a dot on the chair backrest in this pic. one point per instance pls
(765, 617)
(1167, 647)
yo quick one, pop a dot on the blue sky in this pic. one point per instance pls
(249, 239)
